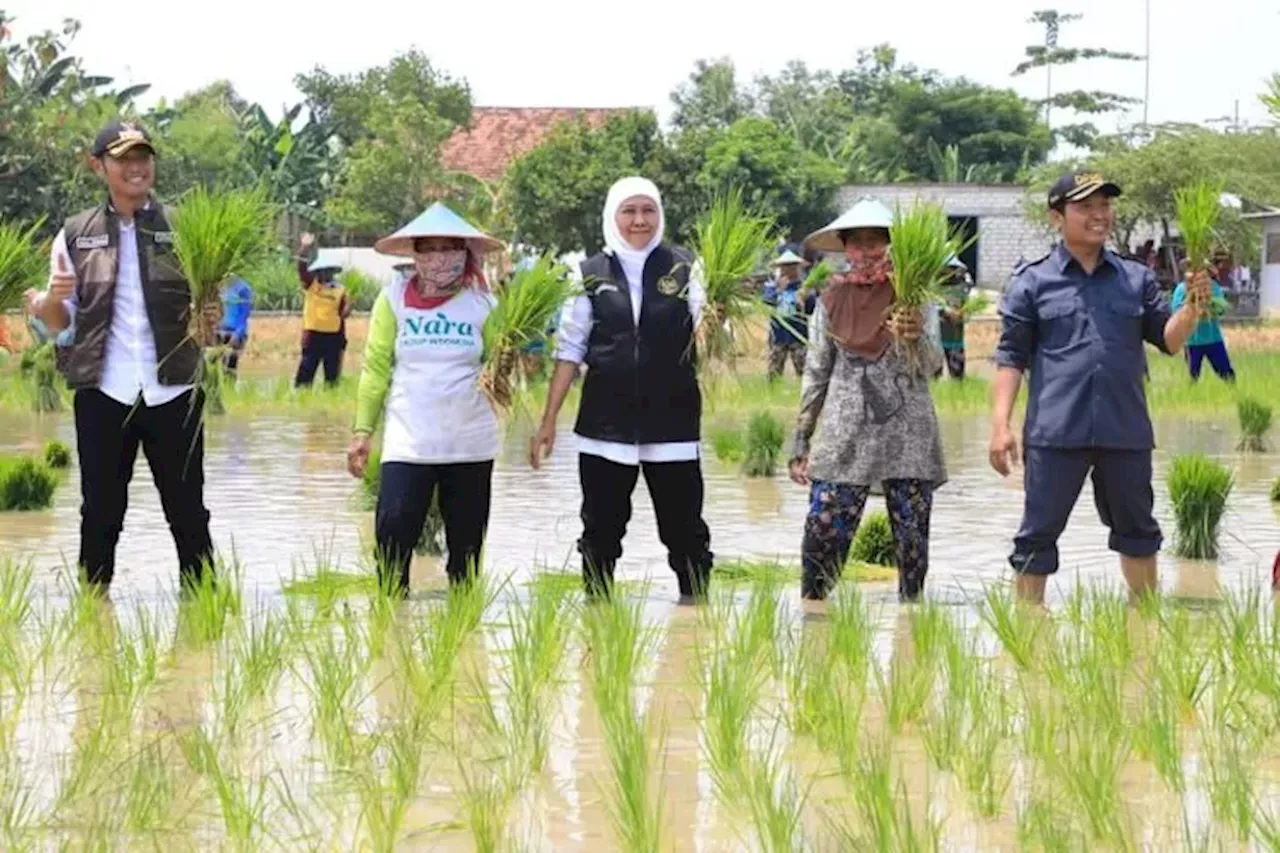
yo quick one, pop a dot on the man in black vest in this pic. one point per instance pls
(641, 407)
(134, 368)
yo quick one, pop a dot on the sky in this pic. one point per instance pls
(1205, 57)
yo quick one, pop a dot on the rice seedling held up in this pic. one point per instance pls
(873, 542)
(730, 241)
(1198, 208)
(526, 306)
(764, 443)
(26, 484)
(1198, 489)
(1255, 420)
(920, 245)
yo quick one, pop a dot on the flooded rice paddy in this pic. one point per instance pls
(511, 717)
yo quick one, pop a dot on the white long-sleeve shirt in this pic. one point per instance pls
(129, 366)
(571, 346)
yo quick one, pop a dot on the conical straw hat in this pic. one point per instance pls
(437, 221)
(866, 213)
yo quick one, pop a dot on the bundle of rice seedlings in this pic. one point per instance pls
(764, 443)
(1198, 489)
(44, 373)
(26, 484)
(56, 454)
(216, 236)
(977, 303)
(214, 381)
(526, 306)
(819, 276)
(920, 245)
(1255, 420)
(730, 241)
(873, 543)
(22, 263)
(1198, 208)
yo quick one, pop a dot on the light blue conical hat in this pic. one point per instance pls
(437, 221)
(867, 212)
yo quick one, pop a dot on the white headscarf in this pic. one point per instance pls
(631, 259)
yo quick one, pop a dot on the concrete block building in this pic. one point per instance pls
(992, 212)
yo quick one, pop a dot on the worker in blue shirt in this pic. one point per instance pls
(1077, 319)
(237, 305)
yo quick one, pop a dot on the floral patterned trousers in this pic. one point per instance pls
(835, 511)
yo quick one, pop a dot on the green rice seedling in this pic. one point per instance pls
(775, 802)
(1266, 826)
(1157, 738)
(26, 484)
(906, 689)
(977, 304)
(15, 595)
(334, 677)
(920, 245)
(1229, 781)
(728, 444)
(526, 306)
(874, 542)
(978, 762)
(806, 678)
(885, 810)
(1087, 765)
(85, 770)
(22, 262)
(1255, 420)
(618, 642)
(1043, 826)
(428, 656)
(1017, 629)
(218, 235)
(1275, 490)
(150, 792)
(1183, 661)
(733, 680)
(819, 275)
(1108, 627)
(242, 798)
(730, 242)
(850, 632)
(20, 817)
(1198, 208)
(485, 804)
(211, 605)
(45, 376)
(214, 380)
(764, 444)
(56, 454)
(933, 630)
(261, 649)
(944, 722)
(385, 793)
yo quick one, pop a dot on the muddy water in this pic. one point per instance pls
(281, 499)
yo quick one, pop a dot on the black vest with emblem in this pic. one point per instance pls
(642, 382)
(93, 238)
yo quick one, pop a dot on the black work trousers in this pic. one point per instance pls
(404, 498)
(108, 434)
(318, 348)
(676, 489)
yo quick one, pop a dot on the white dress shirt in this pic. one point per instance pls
(129, 364)
(571, 346)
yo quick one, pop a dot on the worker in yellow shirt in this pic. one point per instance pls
(325, 308)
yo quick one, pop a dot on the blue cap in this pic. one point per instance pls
(437, 221)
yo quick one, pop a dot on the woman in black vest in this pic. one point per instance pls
(641, 408)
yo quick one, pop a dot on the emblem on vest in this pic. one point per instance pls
(163, 237)
(97, 241)
(668, 286)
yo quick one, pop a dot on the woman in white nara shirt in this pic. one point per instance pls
(641, 406)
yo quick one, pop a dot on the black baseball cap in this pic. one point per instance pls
(119, 137)
(1077, 186)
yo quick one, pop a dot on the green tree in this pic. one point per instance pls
(1271, 98)
(201, 140)
(1050, 55)
(557, 190)
(711, 98)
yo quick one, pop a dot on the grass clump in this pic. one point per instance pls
(873, 543)
(26, 484)
(1198, 488)
(764, 444)
(727, 444)
(1255, 420)
(56, 454)
(526, 306)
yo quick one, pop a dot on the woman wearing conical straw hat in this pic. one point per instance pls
(422, 364)
(641, 407)
(876, 426)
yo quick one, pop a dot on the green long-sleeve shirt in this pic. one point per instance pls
(379, 358)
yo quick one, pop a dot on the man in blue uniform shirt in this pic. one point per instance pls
(1077, 319)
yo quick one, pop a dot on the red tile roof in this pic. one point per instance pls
(499, 135)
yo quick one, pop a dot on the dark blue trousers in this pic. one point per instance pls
(1218, 360)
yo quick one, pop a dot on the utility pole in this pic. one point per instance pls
(1146, 85)
(1050, 42)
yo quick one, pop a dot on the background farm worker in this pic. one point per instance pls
(641, 408)
(1077, 319)
(1206, 341)
(875, 421)
(233, 332)
(324, 311)
(951, 329)
(133, 365)
(422, 365)
(792, 304)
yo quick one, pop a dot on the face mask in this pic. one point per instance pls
(868, 266)
(440, 270)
